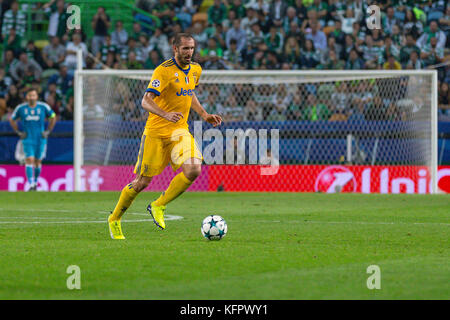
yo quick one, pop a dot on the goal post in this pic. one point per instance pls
(358, 118)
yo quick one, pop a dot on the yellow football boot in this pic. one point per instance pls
(115, 229)
(158, 214)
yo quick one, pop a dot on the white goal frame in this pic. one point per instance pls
(78, 97)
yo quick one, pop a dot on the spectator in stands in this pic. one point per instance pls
(238, 8)
(100, 25)
(19, 70)
(389, 48)
(256, 36)
(277, 12)
(414, 61)
(154, 59)
(119, 36)
(14, 19)
(295, 109)
(231, 110)
(217, 12)
(431, 53)
(13, 41)
(63, 79)
(397, 37)
(338, 34)
(317, 36)
(13, 97)
(250, 18)
(412, 25)
(56, 11)
(376, 110)
(274, 40)
(349, 19)
(214, 62)
(289, 19)
(165, 11)
(212, 46)
(292, 52)
(106, 48)
(332, 62)
(391, 63)
(315, 111)
(444, 100)
(432, 31)
(5, 82)
(237, 33)
(262, 6)
(34, 53)
(71, 51)
(252, 112)
(389, 20)
(53, 54)
(341, 101)
(232, 56)
(160, 42)
(309, 56)
(132, 62)
(370, 53)
(405, 51)
(132, 46)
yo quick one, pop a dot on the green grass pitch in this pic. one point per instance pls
(278, 246)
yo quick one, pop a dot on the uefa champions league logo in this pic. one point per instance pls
(334, 179)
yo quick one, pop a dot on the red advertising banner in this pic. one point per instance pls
(285, 178)
(327, 179)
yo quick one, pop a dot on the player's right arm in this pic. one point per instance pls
(151, 106)
(13, 121)
(156, 86)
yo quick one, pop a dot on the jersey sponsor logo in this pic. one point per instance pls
(184, 92)
(32, 118)
(156, 83)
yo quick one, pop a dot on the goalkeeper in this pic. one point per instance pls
(166, 139)
(32, 113)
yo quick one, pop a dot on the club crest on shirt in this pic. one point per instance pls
(156, 83)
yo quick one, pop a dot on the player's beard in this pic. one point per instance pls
(184, 61)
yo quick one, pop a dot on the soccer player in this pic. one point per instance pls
(33, 113)
(166, 139)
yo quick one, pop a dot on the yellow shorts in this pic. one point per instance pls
(156, 153)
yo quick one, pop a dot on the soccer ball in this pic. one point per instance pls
(214, 227)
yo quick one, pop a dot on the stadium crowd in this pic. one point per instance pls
(238, 34)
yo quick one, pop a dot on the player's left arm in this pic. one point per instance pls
(214, 119)
(51, 125)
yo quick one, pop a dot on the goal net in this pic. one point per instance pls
(317, 131)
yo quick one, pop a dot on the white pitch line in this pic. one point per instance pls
(357, 222)
(76, 220)
(167, 218)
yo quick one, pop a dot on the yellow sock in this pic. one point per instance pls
(126, 198)
(177, 186)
